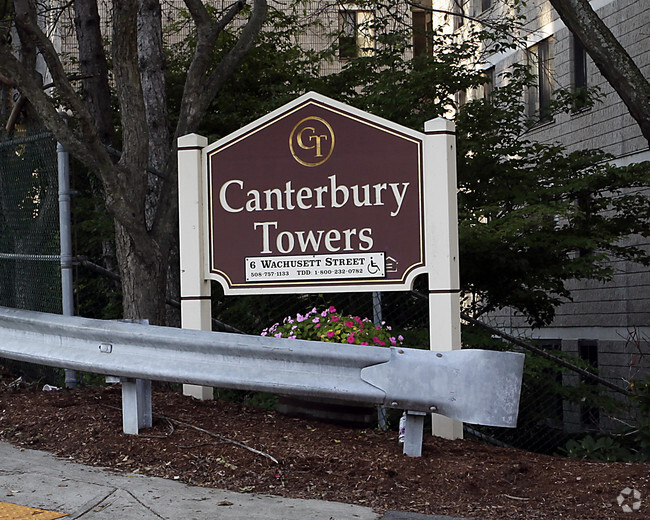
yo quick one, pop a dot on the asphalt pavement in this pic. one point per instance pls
(31, 481)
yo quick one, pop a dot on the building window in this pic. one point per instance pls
(422, 27)
(485, 90)
(458, 8)
(485, 4)
(588, 351)
(356, 34)
(540, 94)
(461, 98)
(579, 74)
(549, 394)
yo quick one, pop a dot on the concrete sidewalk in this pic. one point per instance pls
(39, 480)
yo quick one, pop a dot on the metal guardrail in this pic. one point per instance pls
(475, 386)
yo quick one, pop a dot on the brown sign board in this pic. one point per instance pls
(316, 197)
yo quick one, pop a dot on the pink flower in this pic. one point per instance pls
(315, 320)
(349, 324)
(278, 335)
(358, 320)
(300, 317)
(330, 333)
(400, 337)
(378, 341)
(335, 318)
(317, 325)
(364, 343)
(351, 338)
(331, 309)
(292, 337)
(392, 341)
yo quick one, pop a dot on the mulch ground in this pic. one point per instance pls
(191, 441)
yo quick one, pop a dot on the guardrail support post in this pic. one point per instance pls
(136, 405)
(413, 433)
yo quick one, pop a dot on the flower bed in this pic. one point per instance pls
(330, 326)
(333, 327)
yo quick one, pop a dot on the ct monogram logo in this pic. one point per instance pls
(311, 141)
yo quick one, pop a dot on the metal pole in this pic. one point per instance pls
(377, 318)
(65, 230)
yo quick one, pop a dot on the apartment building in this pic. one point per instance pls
(345, 24)
(606, 324)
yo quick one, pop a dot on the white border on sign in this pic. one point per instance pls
(294, 287)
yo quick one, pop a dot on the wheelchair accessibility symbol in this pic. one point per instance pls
(375, 265)
(373, 268)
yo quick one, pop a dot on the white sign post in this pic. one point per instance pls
(318, 196)
(196, 312)
(444, 282)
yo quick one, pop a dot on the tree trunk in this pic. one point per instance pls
(613, 61)
(92, 63)
(144, 277)
(152, 77)
(144, 206)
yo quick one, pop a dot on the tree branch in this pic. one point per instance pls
(87, 147)
(92, 62)
(7, 81)
(198, 95)
(197, 74)
(28, 25)
(32, 90)
(236, 55)
(611, 58)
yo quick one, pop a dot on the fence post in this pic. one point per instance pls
(65, 230)
(442, 225)
(196, 311)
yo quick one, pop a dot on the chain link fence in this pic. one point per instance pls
(30, 273)
(562, 396)
(30, 270)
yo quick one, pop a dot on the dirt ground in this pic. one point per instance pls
(191, 441)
